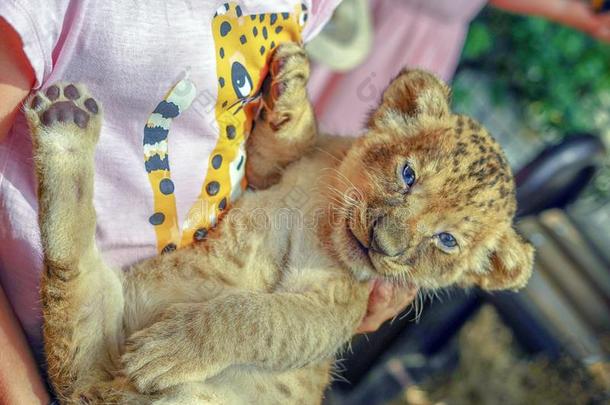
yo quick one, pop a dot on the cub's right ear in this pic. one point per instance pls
(412, 93)
(510, 265)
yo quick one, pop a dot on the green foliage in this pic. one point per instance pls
(558, 74)
(559, 77)
(479, 41)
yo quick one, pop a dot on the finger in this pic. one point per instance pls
(407, 293)
(379, 296)
(376, 315)
(386, 301)
(372, 322)
(384, 291)
(400, 295)
(579, 16)
(372, 284)
(603, 33)
(404, 299)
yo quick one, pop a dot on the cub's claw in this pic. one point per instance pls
(149, 359)
(166, 354)
(284, 89)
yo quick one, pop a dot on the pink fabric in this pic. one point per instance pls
(129, 54)
(425, 34)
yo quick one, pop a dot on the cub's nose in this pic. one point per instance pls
(388, 237)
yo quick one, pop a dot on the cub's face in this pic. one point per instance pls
(429, 196)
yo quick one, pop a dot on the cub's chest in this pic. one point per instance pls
(305, 264)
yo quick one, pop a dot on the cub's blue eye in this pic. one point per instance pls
(408, 175)
(447, 240)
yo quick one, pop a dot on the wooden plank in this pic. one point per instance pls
(559, 315)
(573, 244)
(565, 277)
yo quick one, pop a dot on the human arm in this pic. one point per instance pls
(572, 13)
(16, 76)
(20, 381)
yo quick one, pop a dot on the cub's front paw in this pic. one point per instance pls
(166, 354)
(284, 89)
(64, 115)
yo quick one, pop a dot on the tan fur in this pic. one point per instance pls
(257, 312)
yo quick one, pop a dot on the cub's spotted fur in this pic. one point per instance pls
(256, 313)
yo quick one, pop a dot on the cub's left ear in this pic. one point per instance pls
(510, 265)
(412, 93)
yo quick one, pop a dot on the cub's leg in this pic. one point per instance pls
(286, 127)
(82, 299)
(274, 331)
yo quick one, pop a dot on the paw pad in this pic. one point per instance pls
(91, 105)
(71, 92)
(65, 111)
(36, 102)
(52, 108)
(52, 93)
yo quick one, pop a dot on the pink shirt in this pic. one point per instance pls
(425, 34)
(158, 67)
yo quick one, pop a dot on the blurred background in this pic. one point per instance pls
(537, 74)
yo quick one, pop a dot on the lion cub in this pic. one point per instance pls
(256, 313)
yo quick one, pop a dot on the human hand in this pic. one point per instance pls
(579, 15)
(386, 300)
(573, 13)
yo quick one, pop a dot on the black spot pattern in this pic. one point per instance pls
(262, 50)
(238, 11)
(225, 28)
(221, 81)
(212, 188)
(231, 132)
(223, 204)
(170, 247)
(222, 53)
(243, 39)
(255, 31)
(216, 161)
(166, 186)
(265, 33)
(157, 218)
(272, 19)
(200, 234)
